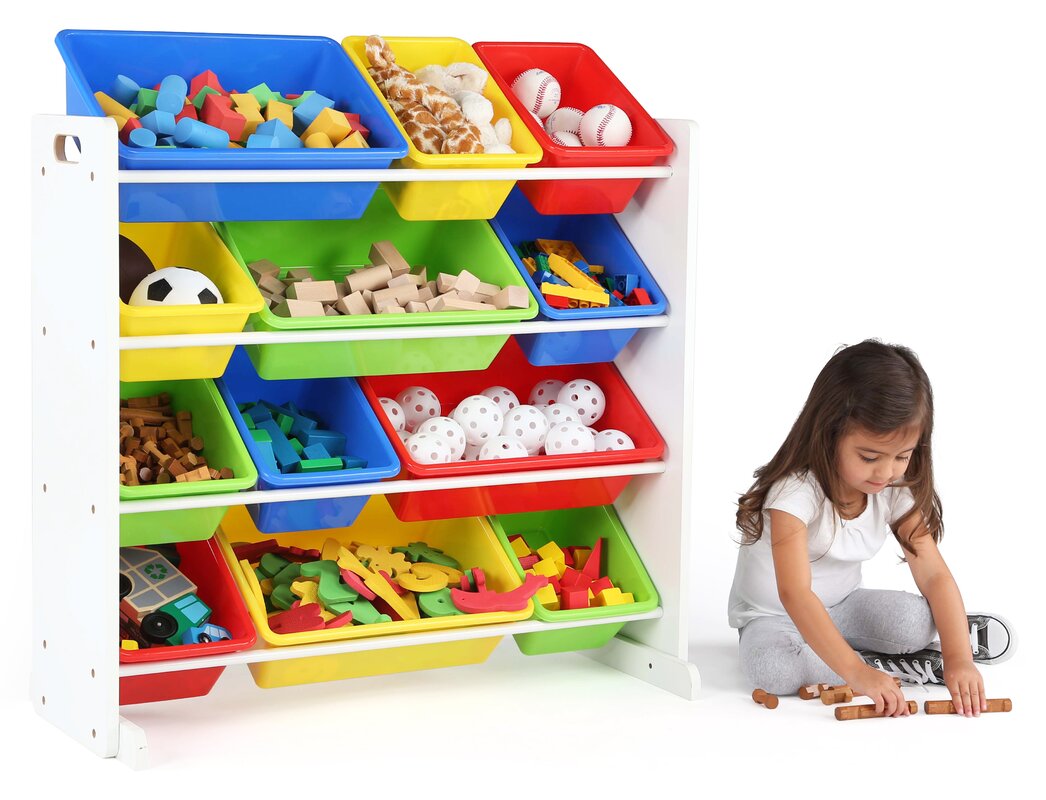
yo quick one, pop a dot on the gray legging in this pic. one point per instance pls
(774, 656)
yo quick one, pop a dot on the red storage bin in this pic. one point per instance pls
(203, 564)
(586, 81)
(512, 370)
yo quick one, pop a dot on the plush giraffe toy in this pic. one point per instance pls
(430, 116)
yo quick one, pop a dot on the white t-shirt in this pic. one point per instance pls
(836, 546)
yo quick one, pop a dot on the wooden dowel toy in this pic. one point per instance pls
(843, 693)
(812, 691)
(868, 711)
(765, 699)
(946, 706)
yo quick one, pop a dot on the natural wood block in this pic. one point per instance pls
(512, 297)
(299, 308)
(300, 274)
(400, 294)
(467, 282)
(445, 282)
(405, 280)
(376, 277)
(385, 252)
(353, 304)
(272, 285)
(259, 269)
(320, 291)
(392, 309)
(416, 307)
(425, 293)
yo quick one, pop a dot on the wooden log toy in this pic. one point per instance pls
(843, 693)
(868, 711)
(946, 707)
(764, 698)
(813, 691)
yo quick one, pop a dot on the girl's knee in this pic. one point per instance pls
(775, 664)
(918, 629)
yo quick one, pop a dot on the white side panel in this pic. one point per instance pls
(659, 367)
(75, 400)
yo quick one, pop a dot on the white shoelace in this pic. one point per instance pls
(917, 673)
(974, 644)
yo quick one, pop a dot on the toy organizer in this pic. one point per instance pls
(78, 511)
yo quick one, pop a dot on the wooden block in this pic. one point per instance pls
(868, 711)
(488, 289)
(400, 294)
(405, 280)
(425, 293)
(445, 282)
(764, 698)
(342, 288)
(226, 473)
(320, 291)
(512, 297)
(272, 284)
(467, 282)
(353, 304)
(368, 298)
(263, 267)
(331, 311)
(371, 278)
(300, 274)
(430, 304)
(392, 310)
(385, 252)
(946, 707)
(812, 691)
(456, 304)
(416, 307)
(299, 308)
(433, 288)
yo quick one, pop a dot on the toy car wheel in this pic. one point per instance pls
(203, 638)
(158, 627)
(125, 586)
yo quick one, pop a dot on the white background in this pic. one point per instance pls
(867, 170)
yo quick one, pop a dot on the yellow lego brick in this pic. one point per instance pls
(571, 274)
(595, 297)
(531, 265)
(354, 139)
(547, 596)
(551, 551)
(113, 109)
(548, 567)
(596, 269)
(318, 140)
(331, 122)
(520, 547)
(128, 644)
(558, 247)
(274, 109)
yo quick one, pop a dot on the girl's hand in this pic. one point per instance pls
(880, 688)
(967, 687)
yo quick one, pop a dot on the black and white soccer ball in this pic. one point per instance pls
(175, 286)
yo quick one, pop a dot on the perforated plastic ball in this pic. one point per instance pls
(472, 452)
(394, 411)
(449, 431)
(612, 439)
(404, 435)
(419, 404)
(585, 397)
(558, 413)
(426, 448)
(527, 424)
(479, 417)
(545, 393)
(503, 447)
(569, 437)
(504, 397)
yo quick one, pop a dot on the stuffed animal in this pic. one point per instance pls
(431, 117)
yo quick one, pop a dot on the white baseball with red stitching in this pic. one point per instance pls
(538, 90)
(605, 125)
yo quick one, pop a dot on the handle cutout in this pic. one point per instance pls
(67, 149)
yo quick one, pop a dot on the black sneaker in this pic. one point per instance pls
(922, 667)
(992, 638)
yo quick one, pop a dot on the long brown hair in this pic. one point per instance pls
(879, 387)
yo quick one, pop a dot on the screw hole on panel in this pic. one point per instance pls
(92, 673)
(92, 176)
(92, 509)
(43, 700)
(92, 344)
(45, 487)
(45, 330)
(43, 170)
(94, 733)
(45, 644)
(650, 665)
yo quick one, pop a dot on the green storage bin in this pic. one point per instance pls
(332, 248)
(579, 527)
(222, 448)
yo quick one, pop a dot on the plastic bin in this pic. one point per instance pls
(222, 448)
(329, 247)
(600, 239)
(288, 64)
(472, 542)
(581, 527)
(585, 82)
(340, 403)
(511, 369)
(197, 246)
(453, 199)
(203, 564)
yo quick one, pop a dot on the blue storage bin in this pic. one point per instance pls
(601, 240)
(342, 407)
(288, 64)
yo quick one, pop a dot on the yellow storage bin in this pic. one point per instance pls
(452, 199)
(471, 541)
(197, 246)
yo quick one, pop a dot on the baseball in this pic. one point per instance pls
(538, 90)
(566, 119)
(565, 138)
(605, 125)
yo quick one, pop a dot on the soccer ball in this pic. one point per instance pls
(175, 286)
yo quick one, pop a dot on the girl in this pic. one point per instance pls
(855, 467)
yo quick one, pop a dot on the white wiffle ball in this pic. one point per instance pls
(504, 398)
(585, 397)
(394, 411)
(612, 439)
(569, 437)
(527, 424)
(479, 417)
(545, 392)
(418, 404)
(503, 447)
(449, 431)
(426, 448)
(558, 413)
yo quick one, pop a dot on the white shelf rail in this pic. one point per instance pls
(387, 175)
